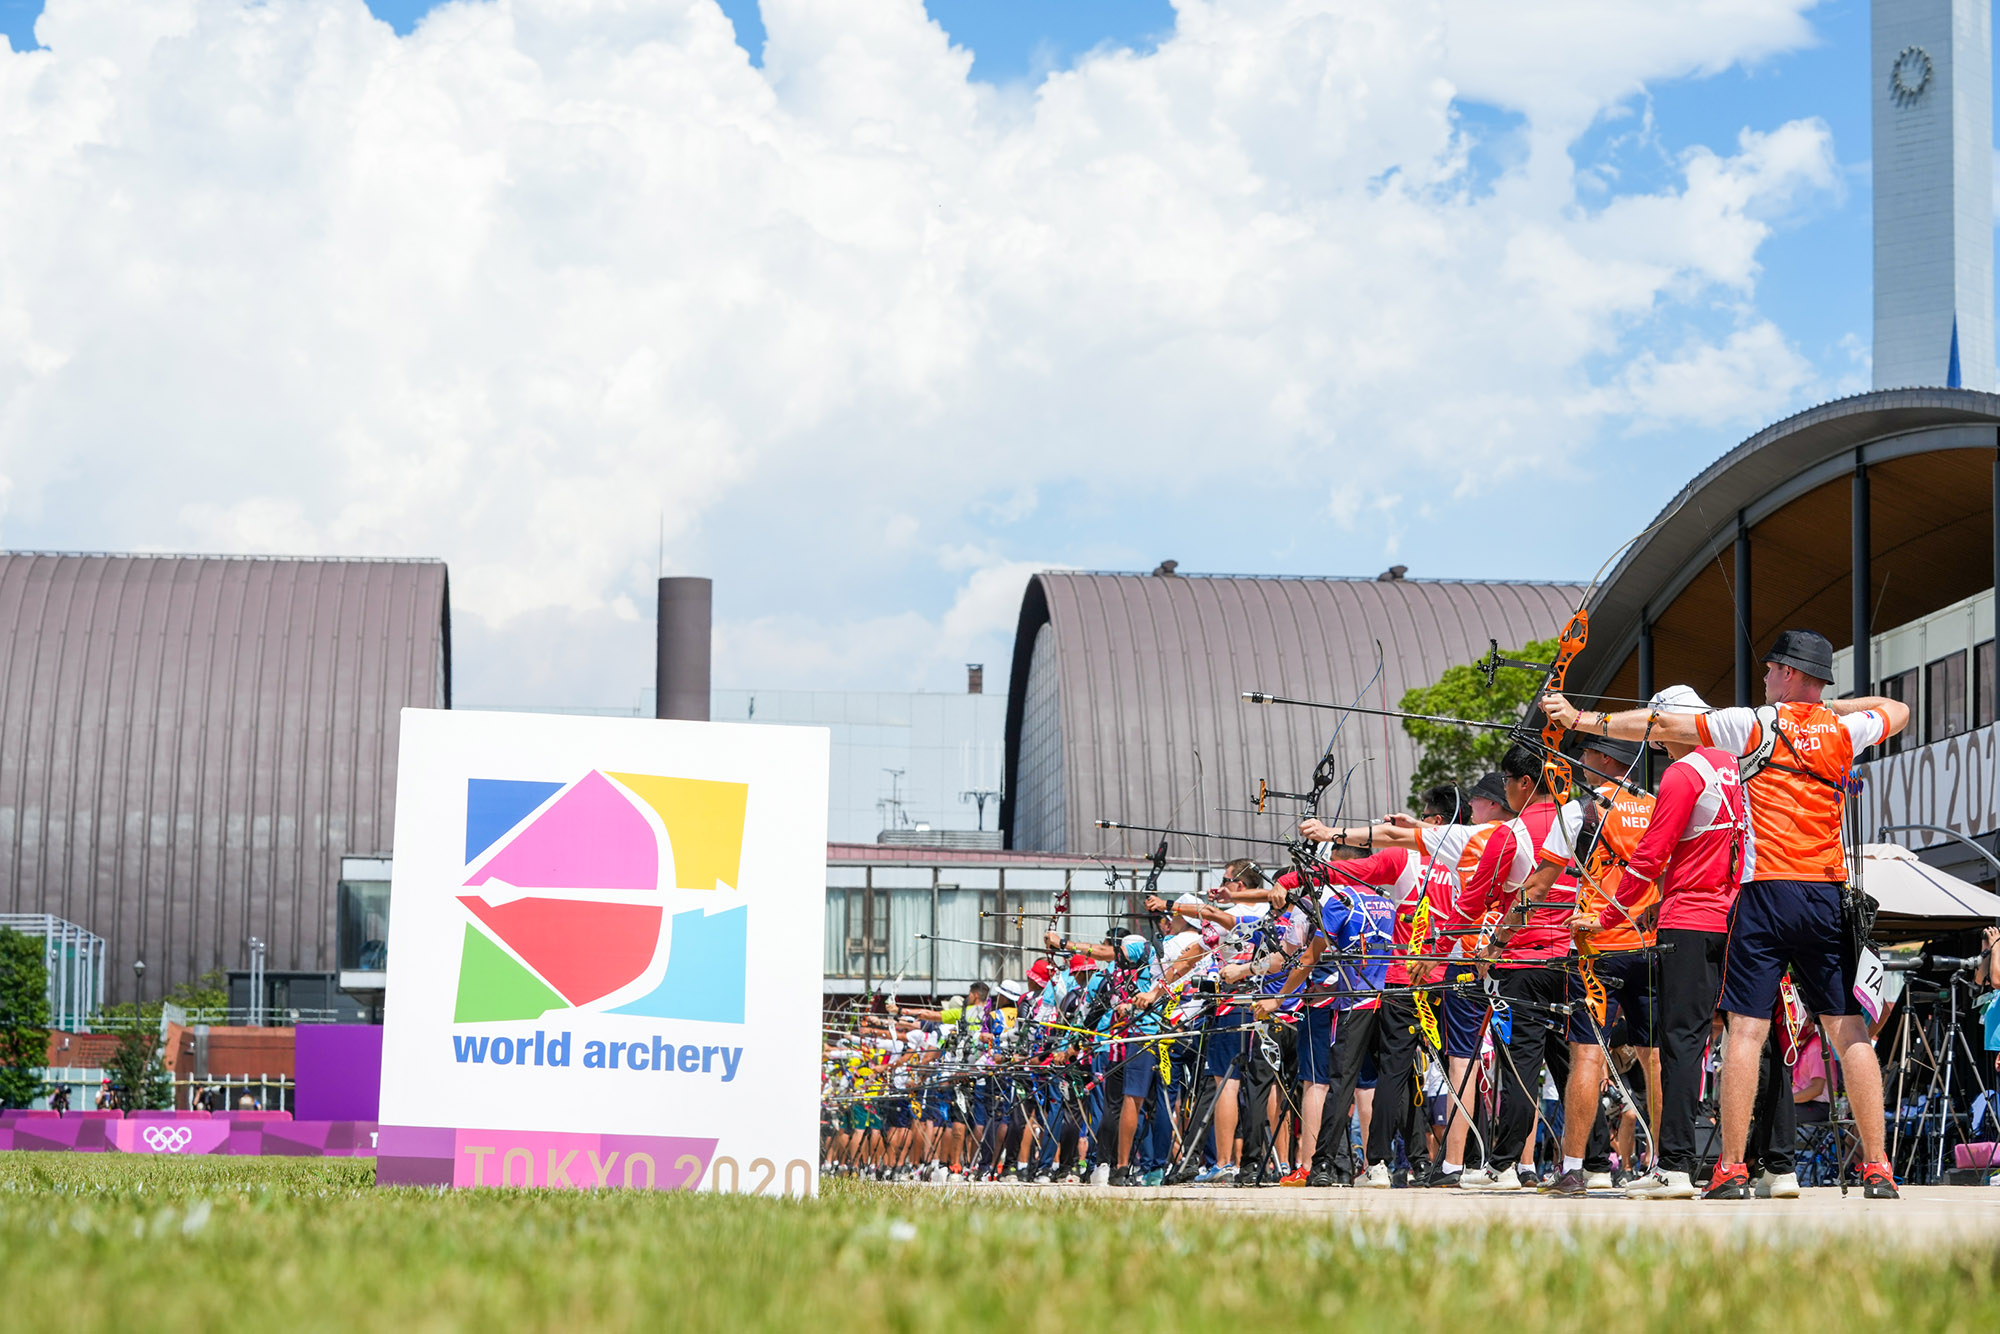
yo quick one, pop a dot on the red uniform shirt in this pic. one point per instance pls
(1693, 849)
(1543, 832)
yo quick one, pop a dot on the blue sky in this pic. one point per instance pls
(842, 559)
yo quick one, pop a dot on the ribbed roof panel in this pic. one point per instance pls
(189, 744)
(1151, 672)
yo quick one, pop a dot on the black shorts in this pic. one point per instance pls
(1776, 923)
(1632, 983)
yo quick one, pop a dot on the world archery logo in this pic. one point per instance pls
(601, 850)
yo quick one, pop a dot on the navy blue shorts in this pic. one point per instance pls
(1779, 922)
(1141, 1069)
(1366, 1079)
(1225, 1044)
(1464, 1018)
(1632, 983)
(1316, 1046)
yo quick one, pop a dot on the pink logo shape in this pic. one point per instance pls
(591, 838)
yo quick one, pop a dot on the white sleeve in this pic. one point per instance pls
(1730, 729)
(1444, 844)
(1560, 842)
(1865, 729)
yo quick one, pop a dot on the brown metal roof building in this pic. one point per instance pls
(1767, 537)
(189, 743)
(1125, 697)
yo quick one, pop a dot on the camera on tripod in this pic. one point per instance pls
(1932, 963)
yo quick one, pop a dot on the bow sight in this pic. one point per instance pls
(1490, 665)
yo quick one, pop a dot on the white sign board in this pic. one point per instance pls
(604, 955)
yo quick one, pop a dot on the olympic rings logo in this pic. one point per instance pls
(169, 1139)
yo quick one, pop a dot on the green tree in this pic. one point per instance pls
(1449, 754)
(24, 1017)
(138, 1072)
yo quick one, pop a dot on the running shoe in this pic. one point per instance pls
(1572, 1185)
(1123, 1176)
(1439, 1179)
(1777, 1185)
(1376, 1178)
(1603, 1181)
(1878, 1182)
(1530, 1179)
(1155, 1177)
(1489, 1179)
(1219, 1175)
(1249, 1176)
(1296, 1177)
(1320, 1178)
(1729, 1183)
(1661, 1185)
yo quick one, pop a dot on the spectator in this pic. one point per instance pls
(1813, 1104)
(1988, 975)
(59, 1100)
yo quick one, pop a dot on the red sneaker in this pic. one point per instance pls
(1878, 1182)
(1297, 1177)
(1728, 1183)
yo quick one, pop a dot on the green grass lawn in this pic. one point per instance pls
(104, 1240)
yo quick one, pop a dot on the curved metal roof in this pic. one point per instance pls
(1767, 472)
(1150, 671)
(189, 743)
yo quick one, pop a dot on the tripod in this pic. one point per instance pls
(1940, 1057)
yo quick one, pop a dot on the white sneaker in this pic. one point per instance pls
(1784, 1186)
(1102, 1175)
(1486, 1179)
(1662, 1185)
(1600, 1181)
(1376, 1178)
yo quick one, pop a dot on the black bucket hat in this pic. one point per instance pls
(1625, 752)
(1805, 650)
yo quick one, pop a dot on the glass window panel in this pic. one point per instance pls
(958, 918)
(1944, 697)
(909, 916)
(1982, 685)
(1901, 687)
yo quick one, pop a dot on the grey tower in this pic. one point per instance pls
(1932, 99)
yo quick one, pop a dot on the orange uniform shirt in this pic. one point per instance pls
(1797, 800)
(1619, 832)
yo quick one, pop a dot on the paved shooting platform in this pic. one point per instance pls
(1926, 1215)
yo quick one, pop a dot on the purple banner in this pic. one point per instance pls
(443, 1156)
(190, 1135)
(339, 1071)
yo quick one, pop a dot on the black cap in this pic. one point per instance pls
(1625, 752)
(1806, 650)
(1492, 787)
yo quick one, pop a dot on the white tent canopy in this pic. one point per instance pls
(1918, 900)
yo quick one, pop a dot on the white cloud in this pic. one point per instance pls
(547, 275)
(1751, 376)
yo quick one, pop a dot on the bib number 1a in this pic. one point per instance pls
(1868, 978)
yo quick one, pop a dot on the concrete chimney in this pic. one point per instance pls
(681, 652)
